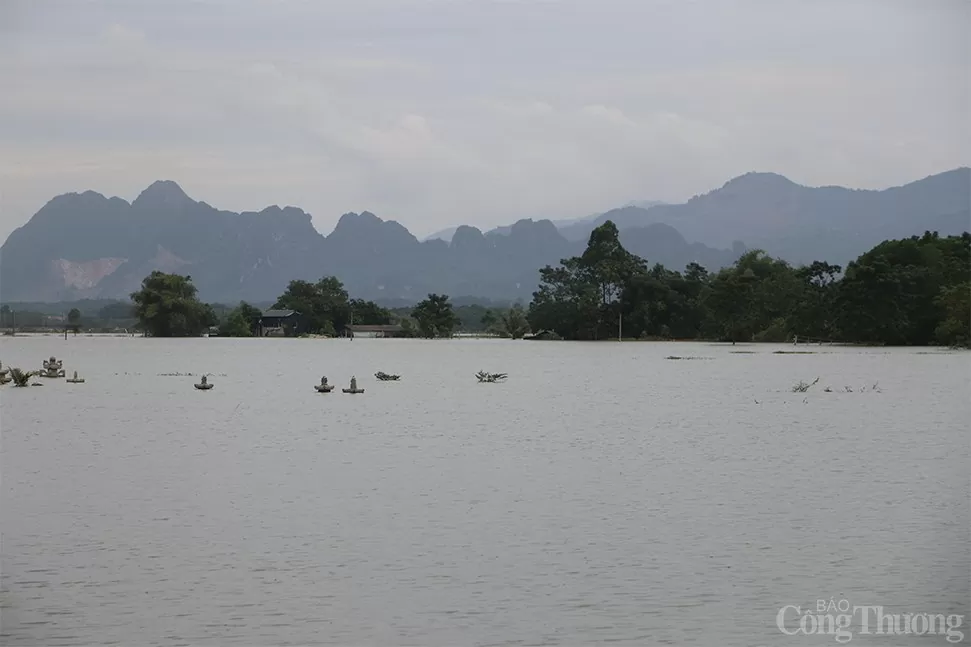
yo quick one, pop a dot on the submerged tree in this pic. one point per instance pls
(166, 306)
(911, 291)
(905, 291)
(435, 317)
(74, 319)
(512, 323)
(582, 298)
(369, 313)
(241, 321)
(325, 304)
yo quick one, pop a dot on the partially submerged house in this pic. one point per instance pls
(390, 330)
(281, 323)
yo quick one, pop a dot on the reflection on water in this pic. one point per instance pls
(602, 493)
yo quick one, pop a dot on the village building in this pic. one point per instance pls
(281, 323)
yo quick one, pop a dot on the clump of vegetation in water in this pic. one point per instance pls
(482, 376)
(802, 387)
(21, 378)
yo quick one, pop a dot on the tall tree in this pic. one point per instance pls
(166, 306)
(368, 313)
(325, 304)
(565, 302)
(435, 316)
(581, 299)
(74, 319)
(609, 267)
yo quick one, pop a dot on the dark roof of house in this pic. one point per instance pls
(279, 314)
(382, 328)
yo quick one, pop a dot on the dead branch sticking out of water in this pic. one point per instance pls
(874, 388)
(483, 376)
(802, 387)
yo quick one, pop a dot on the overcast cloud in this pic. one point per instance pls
(443, 112)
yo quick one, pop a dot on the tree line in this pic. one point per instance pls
(913, 291)
(167, 305)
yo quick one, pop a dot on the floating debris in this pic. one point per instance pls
(802, 387)
(482, 376)
(387, 377)
(687, 357)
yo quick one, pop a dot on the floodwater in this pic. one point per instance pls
(601, 494)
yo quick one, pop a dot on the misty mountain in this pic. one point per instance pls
(802, 224)
(564, 225)
(89, 246)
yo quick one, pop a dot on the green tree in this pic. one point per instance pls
(565, 302)
(408, 329)
(74, 319)
(815, 313)
(955, 329)
(251, 314)
(435, 317)
(489, 319)
(235, 325)
(325, 304)
(583, 297)
(512, 323)
(241, 321)
(607, 266)
(895, 293)
(368, 313)
(166, 306)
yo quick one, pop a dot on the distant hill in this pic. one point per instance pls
(580, 228)
(565, 226)
(803, 224)
(87, 246)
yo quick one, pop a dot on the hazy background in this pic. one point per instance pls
(439, 112)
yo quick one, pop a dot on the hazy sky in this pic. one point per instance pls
(442, 112)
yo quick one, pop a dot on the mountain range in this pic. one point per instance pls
(89, 246)
(566, 227)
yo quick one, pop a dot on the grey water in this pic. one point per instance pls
(601, 494)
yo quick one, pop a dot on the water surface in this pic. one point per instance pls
(603, 493)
